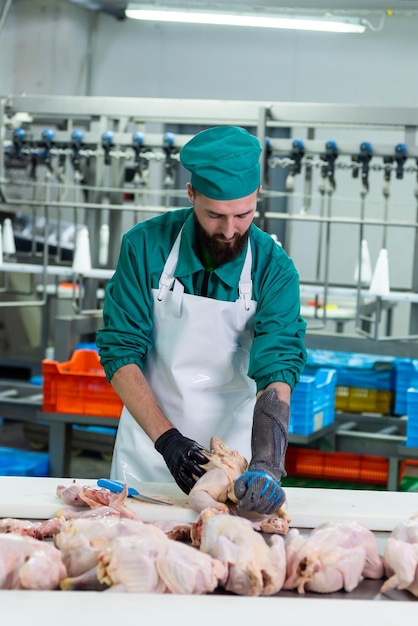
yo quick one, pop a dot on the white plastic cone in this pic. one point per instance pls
(365, 267)
(104, 244)
(9, 246)
(380, 285)
(82, 254)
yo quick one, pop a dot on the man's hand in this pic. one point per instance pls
(259, 491)
(183, 458)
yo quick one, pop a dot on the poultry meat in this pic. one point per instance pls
(101, 500)
(334, 556)
(82, 539)
(254, 567)
(153, 563)
(38, 530)
(215, 489)
(27, 563)
(401, 557)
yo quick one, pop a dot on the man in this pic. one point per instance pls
(202, 330)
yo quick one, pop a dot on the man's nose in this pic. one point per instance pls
(229, 229)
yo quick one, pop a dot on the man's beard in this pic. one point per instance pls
(219, 251)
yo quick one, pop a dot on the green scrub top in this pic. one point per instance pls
(277, 352)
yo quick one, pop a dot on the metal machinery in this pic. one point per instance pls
(96, 166)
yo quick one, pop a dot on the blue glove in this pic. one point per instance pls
(259, 489)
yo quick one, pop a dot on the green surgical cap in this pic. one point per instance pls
(224, 162)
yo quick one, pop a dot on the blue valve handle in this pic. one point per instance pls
(77, 136)
(48, 134)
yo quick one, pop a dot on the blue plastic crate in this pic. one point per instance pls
(23, 463)
(412, 423)
(406, 377)
(312, 405)
(355, 369)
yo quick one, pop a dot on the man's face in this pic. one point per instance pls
(222, 226)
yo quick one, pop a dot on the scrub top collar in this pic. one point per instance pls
(189, 263)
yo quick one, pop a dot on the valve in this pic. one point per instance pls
(297, 153)
(76, 145)
(107, 144)
(328, 169)
(141, 164)
(387, 161)
(169, 150)
(401, 154)
(47, 137)
(19, 136)
(363, 160)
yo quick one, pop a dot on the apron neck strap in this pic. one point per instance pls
(245, 286)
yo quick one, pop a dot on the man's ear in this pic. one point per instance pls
(190, 192)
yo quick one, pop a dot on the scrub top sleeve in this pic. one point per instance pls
(278, 352)
(127, 312)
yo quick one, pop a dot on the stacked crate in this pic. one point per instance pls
(23, 463)
(365, 382)
(312, 404)
(412, 423)
(406, 377)
(79, 386)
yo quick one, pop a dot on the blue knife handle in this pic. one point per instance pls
(116, 486)
(113, 485)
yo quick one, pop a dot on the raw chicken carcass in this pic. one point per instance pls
(401, 557)
(334, 556)
(153, 563)
(82, 539)
(96, 498)
(215, 489)
(254, 567)
(27, 563)
(38, 530)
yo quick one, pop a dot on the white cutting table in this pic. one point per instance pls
(52, 608)
(34, 498)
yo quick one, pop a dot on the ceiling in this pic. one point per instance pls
(307, 7)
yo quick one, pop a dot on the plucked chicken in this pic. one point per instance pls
(215, 489)
(27, 563)
(82, 539)
(334, 556)
(401, 557)
(153, 563)
(255, 568)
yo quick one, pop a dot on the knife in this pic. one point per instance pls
(117, 486)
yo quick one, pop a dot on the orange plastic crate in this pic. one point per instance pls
(336, 466)
(79, 386)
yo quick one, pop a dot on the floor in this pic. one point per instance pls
(91, 457)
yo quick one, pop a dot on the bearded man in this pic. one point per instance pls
(202, 330)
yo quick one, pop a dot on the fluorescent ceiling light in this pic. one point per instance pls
(332, 25)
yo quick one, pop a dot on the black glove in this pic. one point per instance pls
(259, 489)
(183, 457)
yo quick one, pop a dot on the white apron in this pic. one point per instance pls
(197, 370)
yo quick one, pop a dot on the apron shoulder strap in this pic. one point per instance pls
(167, 277)
(245, 286)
